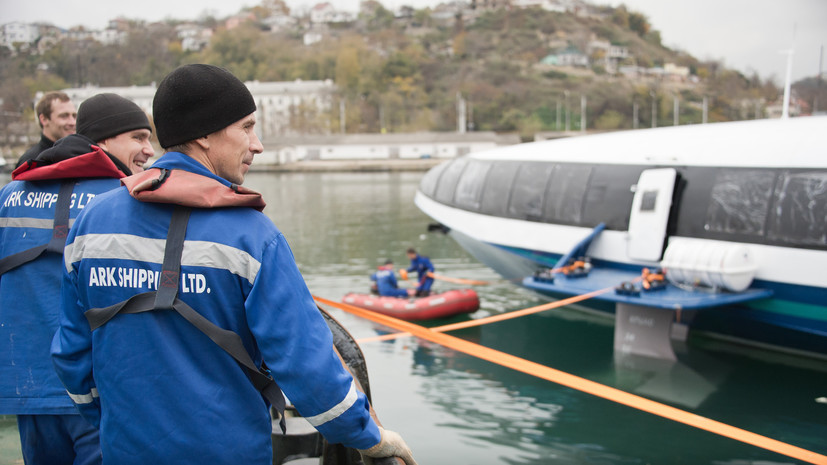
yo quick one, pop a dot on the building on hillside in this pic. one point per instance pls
(325, 13)
(284, 108)
(547, 5)
(141, 95)
(633, 71)
(603, 52)
(292, 108)
(107, 36)
(16, 34)
(489, 4)
(675, 72)
(280, 22)
(237, 20)
(341, 147)
(446, 13)
(568, 57)
(312, 37)
(193, 37)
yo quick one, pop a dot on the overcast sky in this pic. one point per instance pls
(748, 35)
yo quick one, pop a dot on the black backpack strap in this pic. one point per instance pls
(60, 230)
(166, 298)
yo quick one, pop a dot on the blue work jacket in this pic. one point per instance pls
(161, 390)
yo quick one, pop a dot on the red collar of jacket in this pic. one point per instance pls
(182, 187)
(95, 164)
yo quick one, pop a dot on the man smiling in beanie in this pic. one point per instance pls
(36, 209)
(196, 258)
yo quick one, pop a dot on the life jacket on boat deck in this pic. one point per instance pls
(63, 164)
(186, 191)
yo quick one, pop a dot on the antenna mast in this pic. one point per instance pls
(785, 111)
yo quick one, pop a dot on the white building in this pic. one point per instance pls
(284, 108)
(292, 108)
(341, 147)
(141, 95)
(548, 5)
(193, 37)
(280, 22)
(324, 13)
(17, 32)
(672, 69)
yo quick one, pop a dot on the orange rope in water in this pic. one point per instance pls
(500, 317)
(583, 385)
(469, 282)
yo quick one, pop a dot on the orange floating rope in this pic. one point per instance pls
(500, 317)
(584, 385)
(470, 282)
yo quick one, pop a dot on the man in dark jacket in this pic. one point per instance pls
(36, 209)
(56, 115)
(424, 270)
(386, 284)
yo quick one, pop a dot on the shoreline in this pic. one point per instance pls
(419, 164)
(380, 165)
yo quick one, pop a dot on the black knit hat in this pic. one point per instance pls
(108, 115)
(196, 100)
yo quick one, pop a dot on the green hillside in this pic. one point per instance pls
(405, 72)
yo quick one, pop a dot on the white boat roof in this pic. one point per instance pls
(790, 143)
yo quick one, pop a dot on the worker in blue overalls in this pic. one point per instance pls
(386, 284)
(177, 289)
(424, 269)
(45, 197)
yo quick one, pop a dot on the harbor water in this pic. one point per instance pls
(453, 408)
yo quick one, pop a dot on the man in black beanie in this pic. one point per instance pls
(182, 397)
(36, 209)
(119, 127)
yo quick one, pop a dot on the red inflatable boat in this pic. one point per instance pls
(440, 305)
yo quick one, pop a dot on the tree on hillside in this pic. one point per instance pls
(639, 23)
(348, 69)
(244, 50)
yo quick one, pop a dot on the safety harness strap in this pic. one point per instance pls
(165, 298)
(60, 230)
(171, 268)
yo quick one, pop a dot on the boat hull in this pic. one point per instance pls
(442, 305)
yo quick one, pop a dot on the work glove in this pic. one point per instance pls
(391, 444)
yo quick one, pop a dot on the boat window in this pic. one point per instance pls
(448, 181)
(469, 187)
(740, 202)
(431, 179)
(565, 193)
(609, 197)
(498, 187)
(800, 209)
(529, 190)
